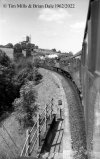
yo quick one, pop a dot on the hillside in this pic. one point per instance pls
(50, 87)
(8, 51)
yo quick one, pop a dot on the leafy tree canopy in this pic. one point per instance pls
(17, 52)
(25, 106)
(54, 50)
(9, 45)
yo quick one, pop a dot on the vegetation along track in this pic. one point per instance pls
(76, 115)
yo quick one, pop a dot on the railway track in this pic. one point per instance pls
(77, 123)
(76, 116)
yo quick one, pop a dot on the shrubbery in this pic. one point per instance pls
(9, 45)
(8, 89)
(50, 62)
(28, 50)
(17, 53)
(26, 71)
(27, 76)
(25, 105)
(13, 75)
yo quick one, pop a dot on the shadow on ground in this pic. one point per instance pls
(53, 139)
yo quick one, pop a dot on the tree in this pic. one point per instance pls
(50, 62)
(33, 46)
(17, 52)
(71, 53)
(12, 77)
(36, 47)
(28, 50)
(9, 45)
(54, 50)
(23, 45)
(26, 71)
(59, 51)
(8, 89)
(26, 106)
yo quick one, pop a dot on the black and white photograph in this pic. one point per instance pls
(49, 79)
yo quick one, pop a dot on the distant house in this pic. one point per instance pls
(52, 55)
(45, 51)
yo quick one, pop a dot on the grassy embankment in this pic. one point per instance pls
(49, 88)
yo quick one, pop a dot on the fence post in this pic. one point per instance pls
(51, 106)
(38, 133)
(60, 113)
(45, 117)
(28, 142)
(50, 112)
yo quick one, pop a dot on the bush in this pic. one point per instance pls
(25, 105)
(28, 50)
(9, 45)
(17, 53)
(26, 71)
(12, 77)
(8, 89)
(50, 62)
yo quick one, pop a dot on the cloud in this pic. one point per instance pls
(78, 26)
(51, 15)
(49, 34)
(2, 21)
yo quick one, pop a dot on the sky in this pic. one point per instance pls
(57, 27)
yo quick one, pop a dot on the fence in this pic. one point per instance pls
(8, 143)
(35, 135)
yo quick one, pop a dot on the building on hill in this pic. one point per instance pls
(45, 51)
(50, 53)
(52, 56)
(24, 43)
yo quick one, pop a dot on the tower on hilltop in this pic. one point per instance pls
(28, 39)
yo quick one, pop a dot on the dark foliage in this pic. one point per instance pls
(8, 89)
(25, 105)
(28, 53)
(9, 45)
(50, 62)
(54, 50)
(28, 50)
(26, 71)
(13, 75)
(17, 54)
